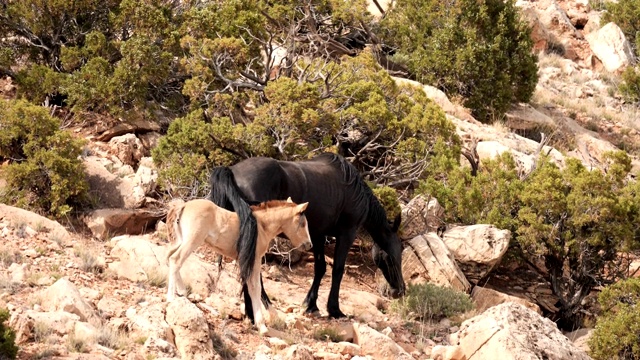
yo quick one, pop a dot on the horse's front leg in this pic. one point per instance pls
(319, 269)
(253, 285)
(343, 244)
(248, 307)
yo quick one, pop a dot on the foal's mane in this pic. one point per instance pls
(272, 204)
(363, 196)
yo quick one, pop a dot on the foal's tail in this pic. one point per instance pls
(226, 194)
(174, 231)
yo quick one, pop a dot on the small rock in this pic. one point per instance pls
(347, 348)
(326, 356)
(298, 352)
(30, 253)
(387, 331)
(346, 332)
(277, 343)
(235, 315)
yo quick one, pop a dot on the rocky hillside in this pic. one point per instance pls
(95, 287)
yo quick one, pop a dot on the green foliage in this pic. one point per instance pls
(45, 173)
(8, 348)
(389, 200)
(431, 302)
(110, 57)
(294, 117)
(327, 334)
(50, 26)
(616, 333)
(490, 197)
(630, 86)
(396, 125)
(478, 50)
(37, 82)
(577, 220)
(184, 154)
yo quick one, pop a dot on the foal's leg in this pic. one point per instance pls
(176, 260)
(253, 285)
(343, 244)
(319, 269)
(248, 307)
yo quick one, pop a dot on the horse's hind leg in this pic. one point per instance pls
(176, 260)
(253, 285)
(248, 307)
(320, 268)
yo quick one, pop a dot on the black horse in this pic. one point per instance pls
(340, 202)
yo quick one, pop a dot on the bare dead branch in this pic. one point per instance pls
(242, 154)
(471, 153)
(536, 156)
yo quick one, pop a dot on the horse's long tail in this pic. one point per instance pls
(226, 194)
(174, 230)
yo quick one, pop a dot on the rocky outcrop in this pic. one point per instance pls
(508, 140)
(104, 223)
(60, 322)
(477, 248)
(127, 148)
(116, 185)
(580, 338)
(378, 345)
(421, 215)
(515, 332)
(64, 296)
(437, 96)
(486, 298)
(611, 47)
(427, 259)
(130, 127)
(190, 329)
(53, 229)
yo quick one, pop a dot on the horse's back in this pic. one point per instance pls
(260, 179)
(319, 181)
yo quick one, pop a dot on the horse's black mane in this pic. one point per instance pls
(363, 196)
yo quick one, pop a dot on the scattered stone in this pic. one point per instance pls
(378, 345)
(486, 298)
(515, 332)
(347, 348)
(298, 352)
(421, 215)
(427, 259)
(190, 328)
(444, 352)
(64, 296)
(477, 248)
(277, 343)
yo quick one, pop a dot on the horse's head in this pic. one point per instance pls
(387, 255)
(297, 230)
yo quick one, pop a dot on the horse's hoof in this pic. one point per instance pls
(337, 314)
(263, 330)
(312, 314)
(312, 310)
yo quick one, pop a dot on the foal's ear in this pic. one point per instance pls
(302, 207)
(396, 223)
(289, 199)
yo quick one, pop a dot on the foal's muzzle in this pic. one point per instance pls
(307, 246)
